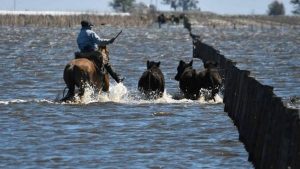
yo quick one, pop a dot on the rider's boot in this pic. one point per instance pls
(113, 74)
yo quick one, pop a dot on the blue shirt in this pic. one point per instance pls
(88, 40)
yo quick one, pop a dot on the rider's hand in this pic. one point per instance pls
(112, 40)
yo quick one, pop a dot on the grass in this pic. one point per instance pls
(196, 18)
(73, 20)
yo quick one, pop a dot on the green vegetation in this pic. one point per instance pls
(122, 5)
(276, 8)
(296, 3)
(184, 4)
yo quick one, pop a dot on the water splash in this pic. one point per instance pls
(119, 93)
(217, 100)
(18, 101)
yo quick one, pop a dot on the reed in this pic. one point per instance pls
(73, 20)
(144, 20)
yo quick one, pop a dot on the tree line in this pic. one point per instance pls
(274, 8)
(128, 5)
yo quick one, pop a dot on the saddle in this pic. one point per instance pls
(99, 58)
(94, 56)
(79, 55)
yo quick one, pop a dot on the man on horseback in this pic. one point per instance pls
(88, 42)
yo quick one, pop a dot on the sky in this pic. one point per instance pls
(216, 6)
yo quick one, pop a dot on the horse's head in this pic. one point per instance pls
(151, 64)
(181, 68)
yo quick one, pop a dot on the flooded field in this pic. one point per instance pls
(271, 54)
(122, 130)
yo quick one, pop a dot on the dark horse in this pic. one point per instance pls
(191, 81)
(81, 72)
(152, 82)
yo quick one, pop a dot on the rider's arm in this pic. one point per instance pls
(99, 41)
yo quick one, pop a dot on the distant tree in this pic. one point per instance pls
(184, 4)
(174, 5)
(122, 5)
(152, 8)
(139, 8)
(276, 8)
(296, 3)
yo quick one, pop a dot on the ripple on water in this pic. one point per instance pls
(123, 129)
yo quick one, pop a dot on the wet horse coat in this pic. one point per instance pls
(82, 72)
(152, 82)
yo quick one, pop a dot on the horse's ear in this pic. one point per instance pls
(148, 63)
(158, 63)
(181, 62)
(191, 63)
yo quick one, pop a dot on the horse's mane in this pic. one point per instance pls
(104, 49)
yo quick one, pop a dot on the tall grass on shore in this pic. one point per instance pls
(73, 20)
(142, 20)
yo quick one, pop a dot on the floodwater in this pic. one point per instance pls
(271, 54)
(119, 130)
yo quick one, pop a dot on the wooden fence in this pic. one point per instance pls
(269, 130)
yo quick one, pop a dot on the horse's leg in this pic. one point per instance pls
(106, 83)
(197, 95)
(70, 94)
(81, 91)
(214, 92)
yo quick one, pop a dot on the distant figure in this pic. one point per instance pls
(175, 19)
(89, 42)
(161, 19)
(152, 82)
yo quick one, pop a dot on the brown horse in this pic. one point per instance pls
(82, 72)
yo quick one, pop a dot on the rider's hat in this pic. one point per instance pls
(85, 23)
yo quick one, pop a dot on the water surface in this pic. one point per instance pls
(123, 130)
